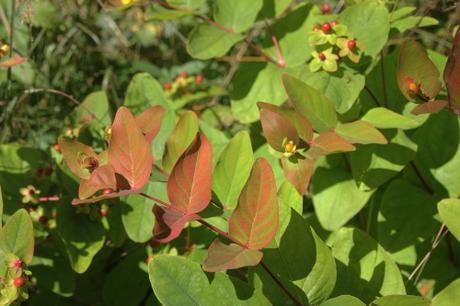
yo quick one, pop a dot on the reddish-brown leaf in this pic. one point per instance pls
(430, 107)
(149, 121)
(329, 143)
(223, 257)
(14, 61)
(452, 75)
(103, 197)
(169, 223)
(129, 151)
(101, 178)
(75, 156)
(298, 173)
(414, 65)
(255, 220)
(278, 130)
(189, 185)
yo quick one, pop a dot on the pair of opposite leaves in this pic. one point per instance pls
(125, 166)
(414, 66)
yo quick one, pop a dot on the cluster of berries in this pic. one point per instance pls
(14, 285)
(332, 41)
(183, 84)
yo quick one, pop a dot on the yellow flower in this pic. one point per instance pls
(29, 194)
(126, 2)
(289, 148)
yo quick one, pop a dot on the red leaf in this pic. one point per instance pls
(278, 130)
(14, 61)
(430, 107)
(189, 185)
(101, 178)
(223, 257)
(328, 143)
(415, 66)
(452, 75)
(255, 220)
(149, 121)
(104, 197)
(77, 156)
(298, 173)
(169, 223)
(129, 151)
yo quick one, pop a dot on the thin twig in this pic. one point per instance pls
(262, 52)
(156, 200)
(371, 94)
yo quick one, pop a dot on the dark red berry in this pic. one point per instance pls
(103, 212)
(334, 23)
(326, 27)
(199, 79)
(322, 56)
(326, 9)
(167, 86)
(19, 281)
(351, 44)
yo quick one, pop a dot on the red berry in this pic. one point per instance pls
(334, 23)
(107, 191)
(326, 27)
(322, 56)
(199, 79)
(351, 44)
(19, 282)
(57, 147)
(183, 74)
(103, 212)
(16, 264)
(167, 86)
(326, 9)
(43, 220)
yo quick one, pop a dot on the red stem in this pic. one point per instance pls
(278, 51)
(49, 199)
(158, 201)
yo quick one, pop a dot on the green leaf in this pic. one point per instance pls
(336, 197)
(180, 138)
(360, 132)
(82, 238)
(312, 104)
(138, 219)
(145, 91)
(291, 31)
(410, 212)
(373, 165)
(233, 169)
(207, 41)
(127, 283)
(254, 222)
(186, 4)
(343, 300)
(300, 259)
(223, 257)
(401, 300)
(17, 236)
(410, 22)
(447, 295)
(1, 208)
(364, 268)
(178, 281)
(237, 15)
(369, 22)
(277, 129)
(383, 118)
(449, 210)
(342, 89)
(95, 109)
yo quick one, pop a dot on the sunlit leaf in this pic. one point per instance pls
(149, 121)
(360, 132)
(223, 257)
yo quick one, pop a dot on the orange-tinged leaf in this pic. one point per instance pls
(360, 132)
(277, 129)
(149, 121)
(452, 75)
(430, 107)
(329, 143)
(189, 185)
(101, 197)
(75, 153)
(255, 220)
(298, 173)
(101, 178)
(129, 151)
(14, 61)
(223, 257)
(416, 68)
(169, 223)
